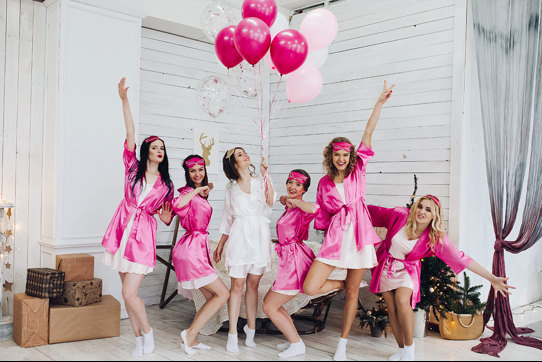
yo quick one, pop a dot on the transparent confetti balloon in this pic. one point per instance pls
(216, 17)
(246, 79)
(213, 95)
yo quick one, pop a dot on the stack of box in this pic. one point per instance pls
(64, 305)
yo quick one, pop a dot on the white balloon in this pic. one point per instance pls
(213, 95)
(246, 79)
(318, 58)
(281, 23)
(216, 17)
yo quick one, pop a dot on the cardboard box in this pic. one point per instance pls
(99, 320)
(82, 293)
(30, 321)
(44, 282)
(78, 267)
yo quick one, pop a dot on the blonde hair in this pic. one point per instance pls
(436, 231)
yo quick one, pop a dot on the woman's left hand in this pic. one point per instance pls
(385, 95)
(264, 167)
(166, 213)
(499, 286)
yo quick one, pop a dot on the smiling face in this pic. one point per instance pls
(242, 159)
(340, 160)
(424, 213)
(157, 151)
(295, 189)
(197, 174)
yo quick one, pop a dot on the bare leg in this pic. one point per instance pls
(353, 280)
(273, 308)
(134, 305)
(234, 303)
(405, 314)
(389, 298)
(251, 299)
(217, 295)
(317, 281)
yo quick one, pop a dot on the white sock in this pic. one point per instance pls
(295, 349)
(340, 354)
(397, 356)
(233, 345)
(138, 350)
(202, 346)
(249, 342)
(283, 346)
(148, 343)
(409, 353)
(184, 343)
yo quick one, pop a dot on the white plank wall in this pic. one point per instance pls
(22, 66)
(171, 69)
(406, 42)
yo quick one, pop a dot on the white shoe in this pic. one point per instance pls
(233, 344)
(184, 344)
(397, 355)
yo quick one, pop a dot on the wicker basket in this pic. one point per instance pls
(461, 326)
(44, 283)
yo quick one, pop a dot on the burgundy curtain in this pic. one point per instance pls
(509, 59)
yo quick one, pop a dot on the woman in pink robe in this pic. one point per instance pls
(130, 239)
(350, 237)
(295, 259)
(191, 255)
(411, 236)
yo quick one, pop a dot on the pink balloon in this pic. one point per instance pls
(252, 39)
(320, 27)
(269, 61)
(304, 85)
(225, 48)
(289, 50)
(265, 10)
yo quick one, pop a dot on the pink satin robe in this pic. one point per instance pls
(394, 220)
(192, 255)
(141, 245)
(334, 215)
(295, 258)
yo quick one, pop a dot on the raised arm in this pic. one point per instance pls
(499, 284)
(373, 120)
(186, 198)
(264, 168)
(303, 205)
(128, 119)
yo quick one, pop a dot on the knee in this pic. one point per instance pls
(403, 304)
(236, 287)
(224, 296)
(267, 309)
(352, 292)
(309, 289)
(253, 285)
(129, 296)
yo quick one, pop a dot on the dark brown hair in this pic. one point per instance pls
(329, 167)
(229, 163)
(307, 183)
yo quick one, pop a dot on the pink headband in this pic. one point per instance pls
(195, 161)
(298, 177)
(345, 146)
(434, 198)
(152, 139)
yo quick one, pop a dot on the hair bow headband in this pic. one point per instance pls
(195, 161)
(297, 177)
(230, 152)
(434, 198)
(152, 139)
(345, 146)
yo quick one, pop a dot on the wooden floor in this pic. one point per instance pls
(167, 324)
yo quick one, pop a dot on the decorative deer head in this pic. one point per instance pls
(207, 144)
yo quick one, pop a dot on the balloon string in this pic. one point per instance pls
(274, 96)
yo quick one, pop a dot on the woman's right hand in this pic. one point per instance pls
(217, 256)
(123, 90)
(203, 191)
(283, 200)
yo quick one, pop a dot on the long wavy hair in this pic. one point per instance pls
(229, 163)
(436, 231)
(163, 167)
(189, 181)
(329, 167)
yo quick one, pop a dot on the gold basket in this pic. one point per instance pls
(461, 326)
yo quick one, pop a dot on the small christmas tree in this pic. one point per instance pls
(437, 287)
(468, 301)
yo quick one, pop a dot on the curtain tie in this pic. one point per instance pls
(498, 246)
